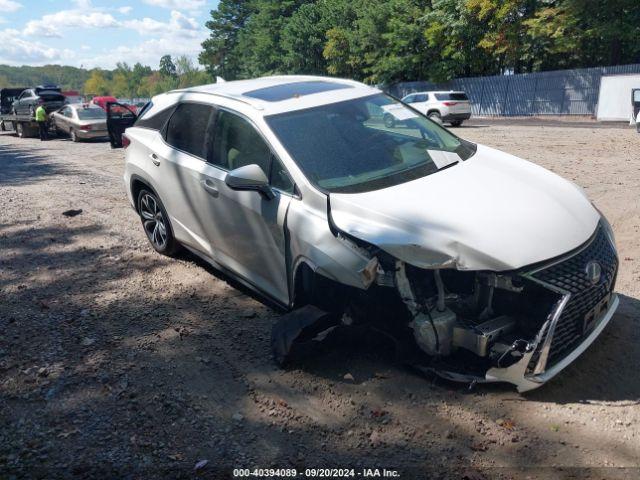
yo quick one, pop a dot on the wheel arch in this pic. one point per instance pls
(137, 183)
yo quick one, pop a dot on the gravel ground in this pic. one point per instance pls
(118, 362)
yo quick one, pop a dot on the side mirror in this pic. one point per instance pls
(249, 177)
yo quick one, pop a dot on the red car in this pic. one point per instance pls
(102, 101)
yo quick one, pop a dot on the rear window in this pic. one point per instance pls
(91, 114)
(452, 96)
(292, 90)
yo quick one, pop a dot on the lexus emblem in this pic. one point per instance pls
(593, 271)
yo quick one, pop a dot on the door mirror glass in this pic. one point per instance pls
(249, 177)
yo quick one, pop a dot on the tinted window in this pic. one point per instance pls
(420, 98)
(237, 143)
(291, 90)
(187, 128)
(157, 121)
(409, 98)
(348, 147)
(452, 96)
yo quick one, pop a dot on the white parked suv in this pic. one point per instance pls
(442, 107)
(483, 267)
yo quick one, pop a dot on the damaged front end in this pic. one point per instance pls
(521, 326)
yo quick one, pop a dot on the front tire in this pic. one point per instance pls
(155, 223)
(389, 121)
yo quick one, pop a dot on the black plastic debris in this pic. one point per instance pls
(296, 333)
(72, 213)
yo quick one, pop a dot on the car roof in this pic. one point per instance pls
(434, 91)
(276, 94)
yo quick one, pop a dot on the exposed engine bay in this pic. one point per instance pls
(471, 326)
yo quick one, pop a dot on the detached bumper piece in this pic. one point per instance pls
(297, 333)
(584, 282)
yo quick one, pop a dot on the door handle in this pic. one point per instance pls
(155, 159)
(210, 187)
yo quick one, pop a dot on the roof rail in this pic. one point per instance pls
(229, 96)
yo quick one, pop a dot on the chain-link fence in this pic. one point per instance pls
(561, 92)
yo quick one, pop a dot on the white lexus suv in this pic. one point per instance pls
(483, 267)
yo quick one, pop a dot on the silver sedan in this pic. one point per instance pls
(80, 121)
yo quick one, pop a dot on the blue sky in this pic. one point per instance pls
(99, 33)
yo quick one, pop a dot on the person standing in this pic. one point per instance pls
(41, 118)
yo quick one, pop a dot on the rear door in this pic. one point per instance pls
(119, 118)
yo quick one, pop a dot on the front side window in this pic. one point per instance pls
(236, 143)
(351, 147)
(188, 126)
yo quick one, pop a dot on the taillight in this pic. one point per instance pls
(85, 128)
(125, 141)
(449, 104)
(40, 101)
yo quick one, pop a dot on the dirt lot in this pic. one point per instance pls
(117, 362)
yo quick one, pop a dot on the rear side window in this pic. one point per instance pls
(452, 96)
(187, 128)
(155, 122)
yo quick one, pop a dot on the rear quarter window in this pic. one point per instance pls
(155, 122)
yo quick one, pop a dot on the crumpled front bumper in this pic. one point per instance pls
(517, 373)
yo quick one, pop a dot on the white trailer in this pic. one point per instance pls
(614, 101)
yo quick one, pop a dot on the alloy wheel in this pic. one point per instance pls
(153, 221)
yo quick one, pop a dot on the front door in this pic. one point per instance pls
(246, 227)
(119, 118)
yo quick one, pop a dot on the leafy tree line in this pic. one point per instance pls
(70, 78)
(137, 81)
(383, 41)
(141, 81)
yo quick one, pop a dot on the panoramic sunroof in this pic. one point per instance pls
(291, 90)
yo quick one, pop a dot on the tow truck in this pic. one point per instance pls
(23, 125)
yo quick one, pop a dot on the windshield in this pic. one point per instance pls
(366, 144)
(91, 114)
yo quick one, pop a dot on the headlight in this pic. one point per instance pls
(607, 228)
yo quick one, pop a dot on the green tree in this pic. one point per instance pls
(96, 84)
(219, 54)
(167, 67)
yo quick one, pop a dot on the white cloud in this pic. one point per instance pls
(17, 51)
(178, 26)
(177, 4)
(51, 25)
(125, 10)
(9, 6)
(3, 20)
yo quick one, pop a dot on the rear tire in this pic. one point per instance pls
(457, 123)
(155, 223)
(74, 136)
(435, 117)
(20, 130)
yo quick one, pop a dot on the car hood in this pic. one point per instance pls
(491, 212)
